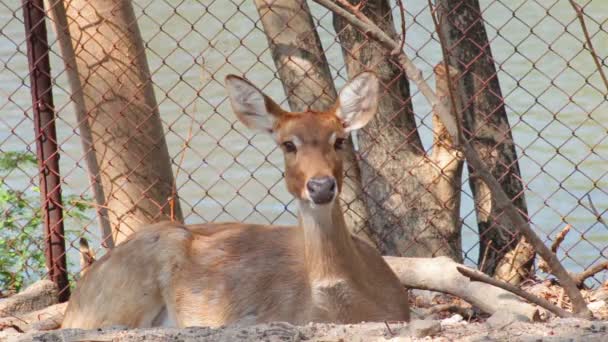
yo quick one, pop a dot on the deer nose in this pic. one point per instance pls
(321, 190)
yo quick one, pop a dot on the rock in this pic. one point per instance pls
(419, 328)
(501, 319)
(595, 306)
(37, 296)
(456, 319)
(45, 319)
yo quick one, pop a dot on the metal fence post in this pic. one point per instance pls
(46, 143)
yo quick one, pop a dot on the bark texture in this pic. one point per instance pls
(441, 274)
(408, 214)
(36, 296)
(59, 21)
(122, 112)
(507, 255)
(303, 69)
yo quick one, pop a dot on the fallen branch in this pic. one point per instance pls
(501, 199)
(441, 274)
(37, 296)
(48, 318)
(479, 276)
(580, 278)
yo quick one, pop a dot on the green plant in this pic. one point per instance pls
(21, 234)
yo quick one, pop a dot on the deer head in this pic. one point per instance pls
(311, 141)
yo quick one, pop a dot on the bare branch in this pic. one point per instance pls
(355, 9)
(502, 200)
(579, 14)
(590, 272)
(441, 274)
(597, 214)
(402, 43)
(554, 246)
(479, 276)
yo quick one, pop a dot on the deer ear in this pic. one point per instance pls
(358, 101)
(254, 109)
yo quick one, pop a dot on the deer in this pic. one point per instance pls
(216, 274)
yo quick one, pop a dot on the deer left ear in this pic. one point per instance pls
(358, 101)
(256, 110)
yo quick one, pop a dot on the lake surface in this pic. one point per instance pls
(555, 100)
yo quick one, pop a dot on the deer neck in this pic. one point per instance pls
(328, 247)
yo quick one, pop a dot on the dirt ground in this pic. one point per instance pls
(453, 329)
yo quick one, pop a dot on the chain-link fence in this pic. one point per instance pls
(552, 154)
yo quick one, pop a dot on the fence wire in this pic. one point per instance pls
(552, 91)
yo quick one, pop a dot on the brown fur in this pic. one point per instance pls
(235, 273)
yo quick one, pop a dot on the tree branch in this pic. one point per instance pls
(479, 276)
(554, 246)
(441, 274)
(596, 59)
(402, 42)
(580, 278)
(502, 201)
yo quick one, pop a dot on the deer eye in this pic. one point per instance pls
(289, 147)
(339, 144)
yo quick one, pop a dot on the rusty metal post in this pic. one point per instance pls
(46, 143)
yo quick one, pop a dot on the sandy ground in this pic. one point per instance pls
(446, 330)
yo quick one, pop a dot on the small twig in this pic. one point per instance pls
(560, 301)
(13, 326)
(559, 238)
(402, 43)
(596, 59)
(186, 144)
(476, 275)
(590, 272)
(485, 255)
(355, 9)
(597, 214)
(172, 207)
(389, 328)
(92, 204)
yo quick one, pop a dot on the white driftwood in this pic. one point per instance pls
(440, 274)
(37, 296)
(48, 318)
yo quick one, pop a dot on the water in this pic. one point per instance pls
(554, 96)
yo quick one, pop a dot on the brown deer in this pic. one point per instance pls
(226, 273)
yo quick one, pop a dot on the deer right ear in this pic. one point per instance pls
(254, 109)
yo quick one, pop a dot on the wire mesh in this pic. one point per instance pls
(551, 89)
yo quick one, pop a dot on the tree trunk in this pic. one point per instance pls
(304, 72)
(408, 212)
(127, 133)
(503, 252)
(56, 11)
